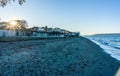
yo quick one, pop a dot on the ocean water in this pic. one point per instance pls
(110, 44)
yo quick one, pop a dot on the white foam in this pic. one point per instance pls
(108, 48)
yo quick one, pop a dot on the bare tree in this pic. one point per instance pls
(5, 2)
(17, 25)
(22, 25)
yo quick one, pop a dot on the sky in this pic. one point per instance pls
(84, 16)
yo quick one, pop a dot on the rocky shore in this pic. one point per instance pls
(55, 57)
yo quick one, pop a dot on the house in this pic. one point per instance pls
(59, 30)
(7, 33)
(75, 34)
(4, 32)
(3, 25)
(55, 34)
(49, 29)
(37, 28)
(41, 34)
(28, 32)
(52, 32)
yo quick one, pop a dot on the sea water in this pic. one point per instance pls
(110, 44)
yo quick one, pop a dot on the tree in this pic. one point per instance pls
(17, 25)
(5, 2)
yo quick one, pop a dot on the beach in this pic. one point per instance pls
(76, 56)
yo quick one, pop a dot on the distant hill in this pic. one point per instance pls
(106, 34)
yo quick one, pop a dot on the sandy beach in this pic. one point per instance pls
(55, 57)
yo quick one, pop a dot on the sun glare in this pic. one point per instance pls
(13, 23)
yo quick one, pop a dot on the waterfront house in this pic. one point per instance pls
(7, 33)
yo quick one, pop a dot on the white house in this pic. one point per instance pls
(7, 33)
(2, 24)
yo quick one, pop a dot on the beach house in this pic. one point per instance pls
(4, 32)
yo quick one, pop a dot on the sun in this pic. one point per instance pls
(13, 23)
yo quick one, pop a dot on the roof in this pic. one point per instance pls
(2, 24)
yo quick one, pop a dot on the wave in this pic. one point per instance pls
(111, 45)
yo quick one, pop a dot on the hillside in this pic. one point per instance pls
(107, 34)
(56, 57)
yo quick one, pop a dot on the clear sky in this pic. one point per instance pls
(86, 16)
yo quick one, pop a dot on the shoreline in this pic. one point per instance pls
(106, 50)
(103, 50)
